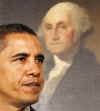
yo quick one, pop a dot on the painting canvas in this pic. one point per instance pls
(31, 12)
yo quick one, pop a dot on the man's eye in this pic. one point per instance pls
(22, 59)
(39, 60)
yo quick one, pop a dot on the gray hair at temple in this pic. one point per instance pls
(80, 18)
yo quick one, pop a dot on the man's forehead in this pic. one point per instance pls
(23, 42)
(21, 37)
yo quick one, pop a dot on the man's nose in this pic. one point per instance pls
(33, 70)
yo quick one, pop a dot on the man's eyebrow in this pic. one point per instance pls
(21, 54)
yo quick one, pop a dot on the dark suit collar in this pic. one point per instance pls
(31, 109)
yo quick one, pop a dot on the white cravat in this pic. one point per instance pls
(55, 76)
(59, 69)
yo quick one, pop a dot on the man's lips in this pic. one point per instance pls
(33, 87)
(38, 84)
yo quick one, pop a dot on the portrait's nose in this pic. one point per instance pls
(54, 35)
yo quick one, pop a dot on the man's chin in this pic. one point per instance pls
(28, 102)
(31, 99)
(35, 100)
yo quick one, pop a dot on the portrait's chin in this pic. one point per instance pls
(56, 51)
(61, 50)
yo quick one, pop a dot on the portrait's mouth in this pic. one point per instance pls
(56, 43)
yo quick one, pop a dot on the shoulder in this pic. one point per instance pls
(86, 58)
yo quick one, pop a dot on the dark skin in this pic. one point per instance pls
(20, 72)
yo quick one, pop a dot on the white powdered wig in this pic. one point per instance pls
(80, 18)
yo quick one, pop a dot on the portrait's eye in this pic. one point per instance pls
(48, 27)
(62, 27)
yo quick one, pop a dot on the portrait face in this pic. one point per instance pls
(58, 32)
(21, 77)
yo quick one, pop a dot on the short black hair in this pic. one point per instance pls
(14, 28)
(7, 29)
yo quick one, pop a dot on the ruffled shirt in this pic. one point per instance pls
(55, 76)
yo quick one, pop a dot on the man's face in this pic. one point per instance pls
(21, 77)
(58, 32)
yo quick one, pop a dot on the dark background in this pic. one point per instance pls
(30, 12)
